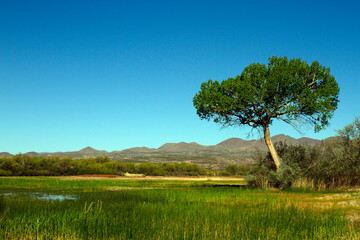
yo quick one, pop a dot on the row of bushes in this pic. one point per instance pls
(235, 170)
(24, 165)
(333, 164)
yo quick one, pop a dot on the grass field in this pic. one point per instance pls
(69, 208)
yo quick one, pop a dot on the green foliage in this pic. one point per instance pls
(224, 173)
(5, 172)
(103, 159)
(351, 131)
(288, 90)
(339, 164)
(24, 165)
(334, 164)
(232, 169)
(262, 177)
(243, 170)
(258, 177)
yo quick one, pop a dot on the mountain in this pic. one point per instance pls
(232, 143)
(230, 151)
(181, 147)
(5, 154)
(235, 144)
(90, 150)
(289, 141)
(135, 150)
(309, 141)
(333, 139)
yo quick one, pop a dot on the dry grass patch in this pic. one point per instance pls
(348, 202)
(120, 188)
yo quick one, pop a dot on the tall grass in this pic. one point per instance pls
(161, 210)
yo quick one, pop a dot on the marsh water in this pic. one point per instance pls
(40, 195)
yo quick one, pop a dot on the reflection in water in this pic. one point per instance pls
(41, 196)
(55, 197)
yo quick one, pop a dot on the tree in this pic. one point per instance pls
(351, 131)
(288, 90)
(232, 169)
(350, 145)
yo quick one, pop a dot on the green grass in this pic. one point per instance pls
(159, 209)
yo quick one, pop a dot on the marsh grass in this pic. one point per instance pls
(166, 210)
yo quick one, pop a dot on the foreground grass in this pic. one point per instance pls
(155, 209)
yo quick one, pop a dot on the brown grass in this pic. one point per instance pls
(182, 178)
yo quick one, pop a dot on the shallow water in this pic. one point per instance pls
(41, 196)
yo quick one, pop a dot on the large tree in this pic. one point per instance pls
(288, 90)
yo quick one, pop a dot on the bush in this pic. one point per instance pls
(264, 174)
(243, 170)
(258, 177)
(5, 172)
(333, 164)
(24, 165)
(224, 173)
(232, 169)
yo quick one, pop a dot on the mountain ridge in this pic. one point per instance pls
(230, 143)
(229, 151)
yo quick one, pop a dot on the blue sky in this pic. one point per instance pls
(120, 74)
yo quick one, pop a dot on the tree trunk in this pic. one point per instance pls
(272, 150)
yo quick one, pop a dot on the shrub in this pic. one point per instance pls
(24, 165)
(258, 177)
(333, 164)
(5, 172)
(224, 173)
(232, 169)
(264, 174)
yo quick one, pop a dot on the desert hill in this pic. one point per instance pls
(181, 147)
(230, 151)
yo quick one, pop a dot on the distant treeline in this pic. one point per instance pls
(25, 165)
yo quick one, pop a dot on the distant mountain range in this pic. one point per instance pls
(230, 151)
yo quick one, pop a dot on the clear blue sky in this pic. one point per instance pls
(120, 74)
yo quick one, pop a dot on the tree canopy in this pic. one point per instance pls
(288, 90)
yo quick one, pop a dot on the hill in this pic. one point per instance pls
(230, 151)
